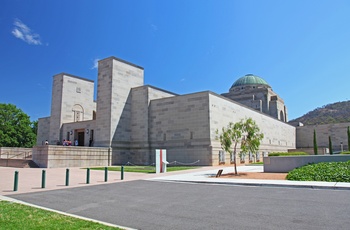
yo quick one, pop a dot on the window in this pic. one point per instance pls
(78, 113)
(232, 157)
(221, 157)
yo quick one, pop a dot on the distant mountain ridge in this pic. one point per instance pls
(332, 113)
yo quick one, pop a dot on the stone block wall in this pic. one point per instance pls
(51, 156)
(15, 153)
(115, 80)
(278, 136)
(338, 133)
(72, 101)
(286, 164)
(43, 133)
(181, 125)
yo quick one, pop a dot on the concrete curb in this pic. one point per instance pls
(255, 184)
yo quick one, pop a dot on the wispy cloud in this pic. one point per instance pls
(23, 32)
(95, 63)
(182, 80)
(154, 27)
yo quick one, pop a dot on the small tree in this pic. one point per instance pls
(330, 145)
(245, 132)
(348, 138)
(315, 143)
(231, 135)
(252, 138)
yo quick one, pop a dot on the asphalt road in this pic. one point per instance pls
(163, 205)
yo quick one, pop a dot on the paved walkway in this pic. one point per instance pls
(29, 179)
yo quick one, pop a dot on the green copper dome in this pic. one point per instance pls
(250, 79)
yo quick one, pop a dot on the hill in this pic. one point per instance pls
(332, 113)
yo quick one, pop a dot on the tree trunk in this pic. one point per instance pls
(234, 158)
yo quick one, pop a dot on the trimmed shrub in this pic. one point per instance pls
(287, 154)
(347, 152)
(324, 171)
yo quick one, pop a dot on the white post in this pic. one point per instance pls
(161, 160)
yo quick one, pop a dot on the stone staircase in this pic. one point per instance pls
(18, 163)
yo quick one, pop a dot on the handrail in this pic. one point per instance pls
(25, 156)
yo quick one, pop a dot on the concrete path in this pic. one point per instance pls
(208, 176)
(29, 179)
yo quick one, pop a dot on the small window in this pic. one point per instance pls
(250, 157)
(191, 135)
(164, 137)
(221, 157)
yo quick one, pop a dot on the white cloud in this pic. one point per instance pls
(23, 32)
(95, 65)
(183, 79)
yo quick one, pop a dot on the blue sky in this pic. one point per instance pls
(301, 48)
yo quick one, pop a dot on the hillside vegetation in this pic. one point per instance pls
(332, 113)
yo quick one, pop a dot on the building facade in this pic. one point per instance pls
(134, 119)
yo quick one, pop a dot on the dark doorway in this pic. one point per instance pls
(80, 138)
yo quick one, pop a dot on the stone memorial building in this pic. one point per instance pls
(133, 119)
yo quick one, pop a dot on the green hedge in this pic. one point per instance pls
(325, 171)
(287, 154)
(348, 152)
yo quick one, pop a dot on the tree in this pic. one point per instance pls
(348, 138)
(245, 132)
(16, 129)
(35, 127)
(251, 141)
(330, 145)
(231, 135)
(315, 143)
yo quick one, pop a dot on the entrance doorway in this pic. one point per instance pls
(81, 140)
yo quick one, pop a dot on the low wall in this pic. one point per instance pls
(15, 153)
(52, 156)
(288, 163)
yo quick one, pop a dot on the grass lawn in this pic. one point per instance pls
(145, 169)
(19, 216)
(256, 163)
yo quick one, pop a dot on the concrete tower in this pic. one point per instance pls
(72, 101)
(116, 77)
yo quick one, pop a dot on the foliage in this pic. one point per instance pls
(287, 154)
(251, 142)
(145, 169)
(347, 152)
(330, 145)
(16, 130)
(348, 132)
(231, 135)
(246, 133)
(35, 127)
(18, 216)
(315, 143)
(325, 171)
(332, 113)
